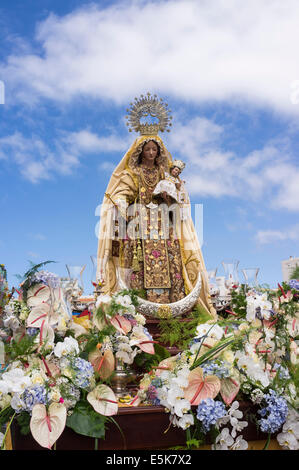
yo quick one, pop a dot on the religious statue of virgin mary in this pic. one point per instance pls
(144, 244)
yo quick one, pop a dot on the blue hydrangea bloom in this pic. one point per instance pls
(32, 331)
(294, 284)
(50, 279)
(33, 396)
(275, 414)
(218, 368)
(283, 372)
(83, 372)
(209, 411)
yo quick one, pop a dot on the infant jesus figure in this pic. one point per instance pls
(172, 189)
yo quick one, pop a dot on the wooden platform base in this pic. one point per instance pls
(143, 427)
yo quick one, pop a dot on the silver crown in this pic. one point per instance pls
(149, 106)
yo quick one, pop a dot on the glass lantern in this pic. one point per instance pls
(250, 276)
(214, 290)
(75, 275)
(231, 273)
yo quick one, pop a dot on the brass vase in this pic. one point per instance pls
(122, 376)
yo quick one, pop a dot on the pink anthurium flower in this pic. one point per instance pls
(143, 342)
(229, 389)
(122, 324)
(166, 364)
(103, 363)
(200, 387)
(47, 425)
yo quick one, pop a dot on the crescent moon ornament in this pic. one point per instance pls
(172, 310)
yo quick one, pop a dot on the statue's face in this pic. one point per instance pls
(149, 152)
(175, 171)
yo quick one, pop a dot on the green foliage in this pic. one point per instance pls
(238, 302)
(146, 362)
(5, 415)
(20, 347)
(84, 420)
(194, 444)
(295, 273)
(178, 332)
(23, 420)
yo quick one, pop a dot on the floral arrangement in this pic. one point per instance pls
(59, 367)
(250, 356)
(129, 336)
(46, 381)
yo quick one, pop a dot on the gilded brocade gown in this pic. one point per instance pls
(153, 253)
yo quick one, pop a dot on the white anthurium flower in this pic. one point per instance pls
(293, 325)
(223, 441)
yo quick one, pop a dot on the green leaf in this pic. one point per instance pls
(23, 420)
(84, 420)
(5, 415)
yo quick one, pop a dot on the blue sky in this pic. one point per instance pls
(228, 71)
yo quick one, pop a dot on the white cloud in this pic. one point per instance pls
(201, 51)
(264, 237)
(37, 161)
(268, 174)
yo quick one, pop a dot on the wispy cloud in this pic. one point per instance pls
(264, 237)
(268, 175)
(38, 161)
